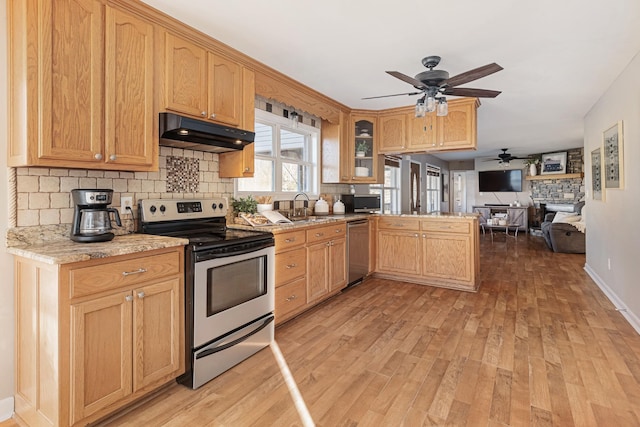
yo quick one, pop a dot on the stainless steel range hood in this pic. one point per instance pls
(184, 132)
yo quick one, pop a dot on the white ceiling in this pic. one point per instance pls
(559, 56)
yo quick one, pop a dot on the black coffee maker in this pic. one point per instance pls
(91, 221)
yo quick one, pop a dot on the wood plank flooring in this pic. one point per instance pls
(539, 344)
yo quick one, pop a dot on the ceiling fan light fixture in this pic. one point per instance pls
(443, 108)
(421, 110)
(430, 104)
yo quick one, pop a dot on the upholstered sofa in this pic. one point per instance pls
(563, 237)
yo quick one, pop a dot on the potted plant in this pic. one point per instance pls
(247, 205)
(361, 148)
(533, 162)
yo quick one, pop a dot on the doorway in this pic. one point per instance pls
(459, 181)
(415, 187)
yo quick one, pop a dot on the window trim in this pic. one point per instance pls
(278, 122)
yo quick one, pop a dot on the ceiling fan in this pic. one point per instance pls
(437, 82)
(505, 157)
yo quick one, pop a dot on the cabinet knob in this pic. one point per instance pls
(141, 294)
(247, 169)
(98, 156)
(415, 235)
(203, 114)
(213, 115)
(328, 244)
(128, 298)
(113, 157)
(290, 266)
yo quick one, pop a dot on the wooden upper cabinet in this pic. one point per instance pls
(393, 133)
(81, 87)
(457, 130)
(185, 77)
(130, 121)
(204, 84)
(336, 150)
(70, 66)
(225, 90)
(421, 132)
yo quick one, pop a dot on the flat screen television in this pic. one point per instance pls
(501, 180)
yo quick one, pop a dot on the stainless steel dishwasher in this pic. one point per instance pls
(358, 252)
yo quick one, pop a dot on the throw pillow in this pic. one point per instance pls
(566, 217)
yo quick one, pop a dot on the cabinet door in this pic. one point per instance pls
(317, 271)
(517, 217)
(337, 264)
(101, 334)
(71, 67)
(129, 115)
(421, 132)
(186, 77)
(225, 90)
(399, 252)
(392, 133)
(447, 256)
(367, 166)
(156, 332)
(457, 130)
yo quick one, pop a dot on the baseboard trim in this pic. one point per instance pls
(6, 408)
(631, 317)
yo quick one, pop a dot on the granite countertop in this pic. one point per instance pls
(311, 221)
(68, 251)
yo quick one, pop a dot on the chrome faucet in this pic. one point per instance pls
(303, 212)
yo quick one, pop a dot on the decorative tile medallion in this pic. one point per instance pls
(182, 175)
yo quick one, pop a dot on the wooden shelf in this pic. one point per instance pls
(555, 176)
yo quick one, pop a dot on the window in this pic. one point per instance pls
(390, 190)
(286, 158)
(433, 189)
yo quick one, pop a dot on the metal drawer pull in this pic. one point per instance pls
(338, 230)
(141, 294)
(319, 234)
(294, 265)
(291, 240)
(138, 271)
(291, 298)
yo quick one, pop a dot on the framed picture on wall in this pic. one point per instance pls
(597, 188)
(554, 163)
(613, 156)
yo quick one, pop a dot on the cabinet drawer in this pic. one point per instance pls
(290, 265)
(399, 223)
(290, 297)
(327, 232)
(446, 226)
(285, 241)
(113, 275)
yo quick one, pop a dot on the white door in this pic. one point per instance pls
(459, 183)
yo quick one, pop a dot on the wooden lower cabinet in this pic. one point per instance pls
(101, 350)
(434, 251)
(311, 265)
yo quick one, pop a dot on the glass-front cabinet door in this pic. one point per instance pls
(365, 152)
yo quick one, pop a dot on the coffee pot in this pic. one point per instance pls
(91, 219)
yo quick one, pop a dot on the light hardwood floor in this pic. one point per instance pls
(539, 344)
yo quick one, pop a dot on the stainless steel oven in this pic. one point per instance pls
(229, 284)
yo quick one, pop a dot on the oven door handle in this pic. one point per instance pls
(204, 256)
(211, 351)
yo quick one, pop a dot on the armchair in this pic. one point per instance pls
(560, 236)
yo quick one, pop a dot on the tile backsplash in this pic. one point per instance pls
(44, 198)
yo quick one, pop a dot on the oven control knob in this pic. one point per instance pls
(214, 206)
(220, 205)
(152, 209)
(163, 208)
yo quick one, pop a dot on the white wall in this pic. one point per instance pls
(613, 232)
(6, 265)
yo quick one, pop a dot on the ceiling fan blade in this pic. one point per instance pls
(416, 83)
(395, 94)
(475, 74)
(467, 91)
